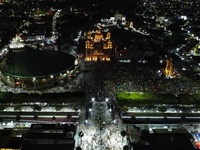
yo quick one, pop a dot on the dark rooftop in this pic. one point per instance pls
(4, 137)
(50, 136)
(47, 147)
(177, 139)
(163, 139)
(28, 62)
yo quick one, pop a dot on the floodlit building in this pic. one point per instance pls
(169, 71)
(2, 2)
(98, 46)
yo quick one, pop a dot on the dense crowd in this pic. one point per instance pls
(127, 77)
(100, 132)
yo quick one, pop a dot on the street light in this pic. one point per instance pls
(34, 81)
(81, 134)
(93, 99)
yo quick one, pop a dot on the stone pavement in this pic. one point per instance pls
(100, 131)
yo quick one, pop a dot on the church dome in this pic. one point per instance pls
(24, 62)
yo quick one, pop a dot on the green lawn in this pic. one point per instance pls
(131, 99)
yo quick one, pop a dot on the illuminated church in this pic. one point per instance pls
(3, 1)
(169, 71)
(98, 46)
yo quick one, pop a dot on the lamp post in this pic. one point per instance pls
(81, 134)
(34, 81)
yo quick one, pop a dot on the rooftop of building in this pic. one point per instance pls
(163, 139)
(25, 62)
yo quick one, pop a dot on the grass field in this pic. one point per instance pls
(139, 98)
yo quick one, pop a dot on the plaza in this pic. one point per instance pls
(71, 47)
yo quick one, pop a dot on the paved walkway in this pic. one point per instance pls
(100, 131)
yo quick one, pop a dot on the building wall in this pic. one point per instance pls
(35, 83)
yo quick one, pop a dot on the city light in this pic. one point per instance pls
(124, 69)
(93, 99)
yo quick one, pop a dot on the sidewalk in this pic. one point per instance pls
(101, 133)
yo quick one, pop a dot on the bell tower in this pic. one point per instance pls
(169, 67)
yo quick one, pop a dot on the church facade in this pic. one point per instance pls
(98, 46)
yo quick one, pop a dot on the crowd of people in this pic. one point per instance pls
(107, 78)
(126, 77)
(100, 131)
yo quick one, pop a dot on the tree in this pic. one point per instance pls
(133, 119)
(17, 107)
(124, 109)
(37, 108)
(1, 120)
(35, 117)
(81, 134)
(53, 118)
(182, 119)
(69, 116)
(58, 107)
(165, 119)
(2, 107)
(146, 121)
(76, 108)
(125, 147)
(123, 134)
(162, 109)
(78, 148)
(18, 118)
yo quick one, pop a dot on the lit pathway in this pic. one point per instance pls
(100, 132)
